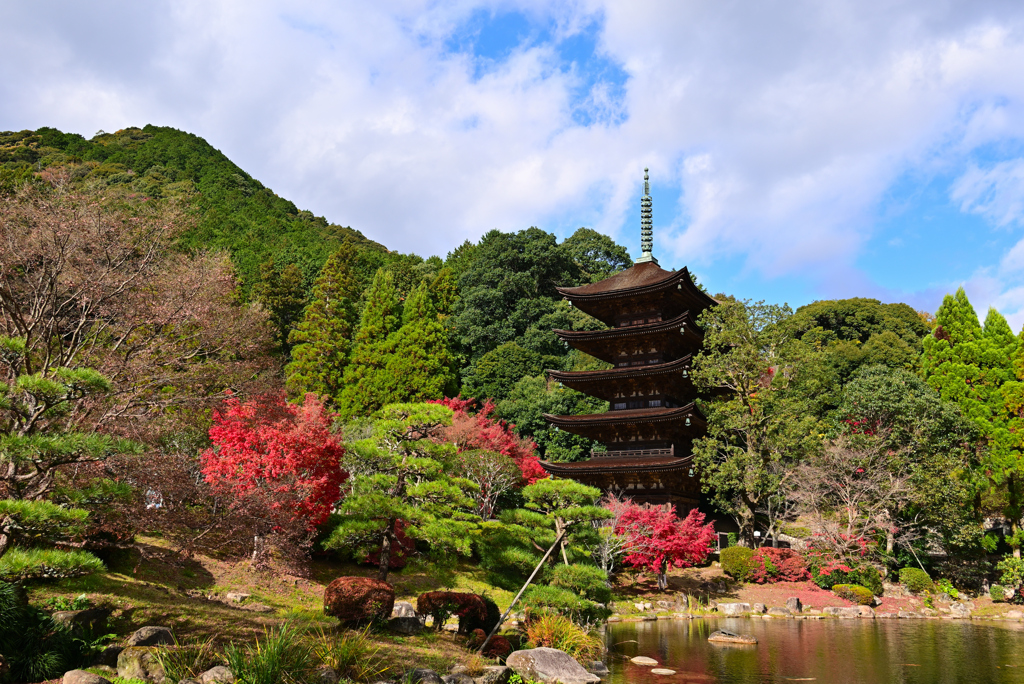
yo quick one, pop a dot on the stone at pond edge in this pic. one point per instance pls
(598, 667)
(723, 637)
(460, 678)
(794, 604)
(217, 675)
(422, 676)
(759, 608)
(152, 635)
(643, 660)
(495, 674)
(357, 600)
(83, 677)
(549, 665)
(140, 662)
(1013, 615)
(733, 608)
(662, 671)
(779, 611)
(959, 610)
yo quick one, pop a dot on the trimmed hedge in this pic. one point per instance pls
(736, 561)
(855, 593)
(916, 580)
(997, 593)
(872, 579)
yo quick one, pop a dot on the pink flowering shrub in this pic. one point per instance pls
(768, 565)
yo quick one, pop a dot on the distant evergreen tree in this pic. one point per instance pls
(365, 378)
(322, 340)
(419, 364)
(283, 293)
(444, 290)
(497, 371)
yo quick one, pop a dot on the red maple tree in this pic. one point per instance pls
(276, 458)
(656, 538)
(470, 431)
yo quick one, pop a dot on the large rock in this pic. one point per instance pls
(458, 678)
(152, 636)
(359, 600)
(83, 677)
(495, 674)
(849, 611)
(549, 665)
(759, 608)
(733, 608)
(403, 609)
(405, 625)
(217, 675)
(140, 662)
(108, 656)
(794, 605)
(959, 610)
(779, 611)
(422, 676)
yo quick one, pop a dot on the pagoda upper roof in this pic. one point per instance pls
(668, 378)
(678, 336)
(641, 281)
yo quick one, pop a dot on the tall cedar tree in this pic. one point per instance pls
(400, 477)
(973, 366)
(419, 364)
(283, 293)
(365, 379)
(321, 342)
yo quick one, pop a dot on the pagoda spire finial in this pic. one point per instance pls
(646, 223)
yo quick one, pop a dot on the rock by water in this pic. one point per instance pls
(549, 665)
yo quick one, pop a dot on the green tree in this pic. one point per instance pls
(419, 364)
(321, 341)
(400, 474)
(497, 371)
(758, 421)
(365, 379)
(283, 293)
(597, 255)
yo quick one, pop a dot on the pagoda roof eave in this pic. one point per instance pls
(600, 464)
(630, 416)
(683, 321)
(620, 373)
(638, 280)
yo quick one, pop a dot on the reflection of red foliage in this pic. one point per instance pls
(769, 565)
(276, 456)
(657, 538)
(479, 431)
(359, 600)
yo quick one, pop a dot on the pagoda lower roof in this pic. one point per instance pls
(600, 464)
(647, 424)
(662, 379)
(675, 337)
(669, 291)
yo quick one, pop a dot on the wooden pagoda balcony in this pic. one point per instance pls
(633, 453)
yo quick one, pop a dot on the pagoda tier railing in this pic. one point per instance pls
(633, 453)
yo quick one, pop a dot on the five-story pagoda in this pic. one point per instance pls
(650, 343)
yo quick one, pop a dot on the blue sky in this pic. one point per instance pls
(799, 149)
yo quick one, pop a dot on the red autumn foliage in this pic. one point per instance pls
(497, 647)
(276, 457)
(359, 600)
(769, 565)
(469, 608)
(478, 430)
(656, 538)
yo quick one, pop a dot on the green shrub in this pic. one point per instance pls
(736, 561)
(997, 593)
(33, 646)
(944, 586)
(855, 593)
(281, 657)
(871, 578)
(20, 564)
(1011, 571)
(558, 631)
(916, 580)
(587, 581)
(539, 600)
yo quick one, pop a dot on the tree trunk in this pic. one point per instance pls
(5, 541)
(559, 530)
(745, 520)
(385, 552)
(662, 581)
(259, 551)
(890, 542)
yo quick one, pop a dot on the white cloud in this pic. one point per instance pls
(779, 123)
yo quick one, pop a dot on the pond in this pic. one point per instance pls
(825, 651)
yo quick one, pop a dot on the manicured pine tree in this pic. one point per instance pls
(322, 340)
(419, 362)
(366, 385)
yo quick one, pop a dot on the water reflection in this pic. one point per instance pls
(824, 651)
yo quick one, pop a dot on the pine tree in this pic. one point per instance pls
(282, 292)
(321, 342)
(365, 378)
(419, 364)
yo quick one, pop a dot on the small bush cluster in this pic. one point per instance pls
(916, 580)
(558, 631)
(587, 581)
(735, 561)
(854, 593)
(34, 647)
(997, 593)
(541, 600)
(471, 609)
(769, 565)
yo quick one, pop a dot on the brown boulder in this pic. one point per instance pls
(359, 600)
